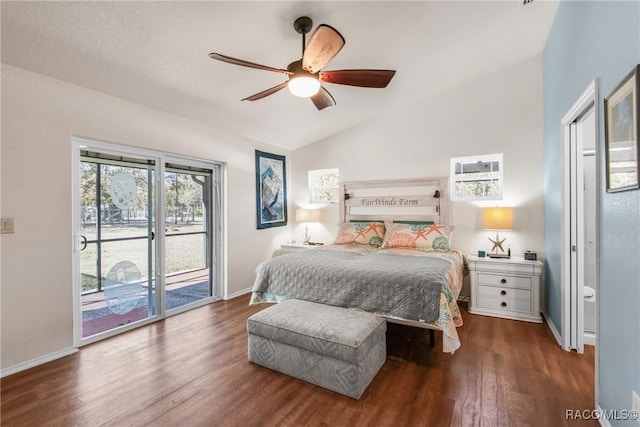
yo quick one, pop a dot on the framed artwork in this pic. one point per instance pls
(271, 190)
(621, 134)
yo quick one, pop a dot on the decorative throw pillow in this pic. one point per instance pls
(364, 233)
(419, 235)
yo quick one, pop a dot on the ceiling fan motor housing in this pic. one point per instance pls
(296, 68)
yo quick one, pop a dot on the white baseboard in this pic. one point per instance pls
(37, 361)
(237, 294)
(554, 331)
(464, 298)
(604, 422)
(589, 338)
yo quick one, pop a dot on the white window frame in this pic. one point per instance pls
(461, 177)
(218, 236)
(311, 180)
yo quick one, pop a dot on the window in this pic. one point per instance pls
(323, 186)
(476, 177)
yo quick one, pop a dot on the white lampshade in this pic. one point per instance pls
(304, 87)
(308, 215)
(497, 218)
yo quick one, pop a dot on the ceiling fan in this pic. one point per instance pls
(306, 74)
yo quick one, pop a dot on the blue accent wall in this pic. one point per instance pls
(591, 40)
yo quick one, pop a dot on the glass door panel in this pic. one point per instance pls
(117, 255)
(187, 235)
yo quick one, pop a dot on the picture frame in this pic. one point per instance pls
(271, 190)
(621, 134)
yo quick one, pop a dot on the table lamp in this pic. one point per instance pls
(497, 219)
(306, 216)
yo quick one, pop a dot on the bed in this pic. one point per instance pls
(399, 265)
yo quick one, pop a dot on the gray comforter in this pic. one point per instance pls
(405, 287)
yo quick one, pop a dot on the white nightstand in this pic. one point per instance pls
(292, 247)
(508, 288)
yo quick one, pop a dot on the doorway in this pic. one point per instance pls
(147, 234)
(579, 235)
(188, 229)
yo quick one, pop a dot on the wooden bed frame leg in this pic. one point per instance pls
(432, 337)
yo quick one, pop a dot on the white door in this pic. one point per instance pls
(590, 283)
(579, 246)
(583, 229)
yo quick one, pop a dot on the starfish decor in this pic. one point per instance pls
(497, 243)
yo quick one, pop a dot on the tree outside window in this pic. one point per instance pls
(477, 177)
(323, 186)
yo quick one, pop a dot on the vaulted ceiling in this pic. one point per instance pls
(156, 54)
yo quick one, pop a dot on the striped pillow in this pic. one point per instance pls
(419, 235)
(363, 233)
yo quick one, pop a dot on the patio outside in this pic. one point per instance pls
(125, 298)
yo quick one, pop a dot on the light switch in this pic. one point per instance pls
(6, 225)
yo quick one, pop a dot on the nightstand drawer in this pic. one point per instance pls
(505, 281)
(504, 304)
(520, 268)
(496, 292)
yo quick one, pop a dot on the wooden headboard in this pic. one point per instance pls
(402, 199)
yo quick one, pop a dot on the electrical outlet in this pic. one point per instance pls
(635, 405)
(6, 225)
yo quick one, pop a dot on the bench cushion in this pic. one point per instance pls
(344, 334)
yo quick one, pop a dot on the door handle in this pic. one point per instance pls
(82, 242)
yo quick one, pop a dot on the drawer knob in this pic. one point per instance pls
(503, 292)
(503, 281)
(504, 304)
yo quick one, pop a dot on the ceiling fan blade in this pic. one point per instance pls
(324, 44)
(244, 63)
(267, 92)
(323, 99)
(361, 78)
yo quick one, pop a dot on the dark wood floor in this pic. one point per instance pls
(192, 370)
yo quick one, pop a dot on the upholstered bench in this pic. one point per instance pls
(335, 348)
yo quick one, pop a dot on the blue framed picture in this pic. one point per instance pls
(622, 125)
(271, 190)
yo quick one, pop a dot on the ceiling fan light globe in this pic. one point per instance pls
(304, 87)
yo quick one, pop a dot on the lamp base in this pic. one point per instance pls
(306, 237)
(506, 256)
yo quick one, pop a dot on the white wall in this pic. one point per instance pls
(498, 113)
(39, 117)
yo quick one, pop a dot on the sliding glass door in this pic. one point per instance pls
(188, 235)
(147, 237)
(117, 255)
